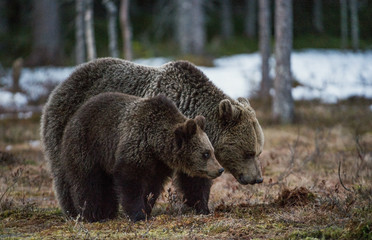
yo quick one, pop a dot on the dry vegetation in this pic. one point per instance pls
(302, 196)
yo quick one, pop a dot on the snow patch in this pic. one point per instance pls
(12, 100)
(328, 75)
(34, 143)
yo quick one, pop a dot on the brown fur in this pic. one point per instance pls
(121, 148)
(232, 125)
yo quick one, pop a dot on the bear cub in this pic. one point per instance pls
(119, 148)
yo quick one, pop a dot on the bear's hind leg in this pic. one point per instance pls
(195, 191)
(94, 196)
(63, 194)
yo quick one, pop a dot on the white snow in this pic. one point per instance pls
(13, 100)
(34, 143)
(328, 75)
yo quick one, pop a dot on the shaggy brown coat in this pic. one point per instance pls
(121, 148)
(232, 125)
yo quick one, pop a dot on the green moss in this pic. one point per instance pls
(362, 231)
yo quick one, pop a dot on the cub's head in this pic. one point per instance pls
(194, 150)
(240, 142)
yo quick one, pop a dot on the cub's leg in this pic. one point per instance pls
(94, 195)
(130, 187)
(131, 194)
(155, 184)
(195, 191)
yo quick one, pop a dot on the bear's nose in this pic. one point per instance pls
(220, 171)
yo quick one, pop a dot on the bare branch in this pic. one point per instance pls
(339, 177)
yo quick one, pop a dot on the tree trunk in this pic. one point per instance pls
(3, 18)
(250, 22)
(190, 26)
(344, 28)
(354, 24)
(46, 36)
(227, 28)
(112, 33)
(79, 32)
(89, 30)
(283, 101)
(16, 74)
(265, 49)
(318, 16)
(126, 30)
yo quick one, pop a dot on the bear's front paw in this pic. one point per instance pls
(137, 216)
(203, 211)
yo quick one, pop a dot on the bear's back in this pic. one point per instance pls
(93, 129)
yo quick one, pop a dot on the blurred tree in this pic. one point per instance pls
(283, 101)
(126, 30)
(46, 33)
(164, 12)
(265, 49)
(112, 33)
(344, 28)
(227, 27)
(190, 26)
(251, 18)
(318, 16)
(354, 24)
(89, 30)
(16, 74)
(3, 18)
(79, 32)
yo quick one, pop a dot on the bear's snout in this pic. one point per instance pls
(214, 169)
(246, 180)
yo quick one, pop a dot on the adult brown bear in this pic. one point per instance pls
(232, 125)
(122, 148)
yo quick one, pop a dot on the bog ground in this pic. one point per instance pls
(301, 197)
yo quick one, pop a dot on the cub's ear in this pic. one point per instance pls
(190, 128)
(244, 101)
(185, 131)
(228, 111)
(180, 135)
(200, 121)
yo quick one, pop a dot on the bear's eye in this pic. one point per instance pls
(206, 155)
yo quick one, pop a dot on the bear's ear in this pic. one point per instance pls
(227, 111)
(244, 101)
(190, 128)
(200, 120)
(180, 135)
(185, 131)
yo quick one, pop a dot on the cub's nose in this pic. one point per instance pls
(221, 170)
(259, 180)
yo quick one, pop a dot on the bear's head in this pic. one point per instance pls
(194, 150)
(240, 141)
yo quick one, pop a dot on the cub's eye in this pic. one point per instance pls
(206, 155)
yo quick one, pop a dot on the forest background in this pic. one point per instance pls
(317, 167)
(229, 27)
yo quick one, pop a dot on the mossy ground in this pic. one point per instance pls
(301, 198)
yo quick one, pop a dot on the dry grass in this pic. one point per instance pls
(301, 197)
